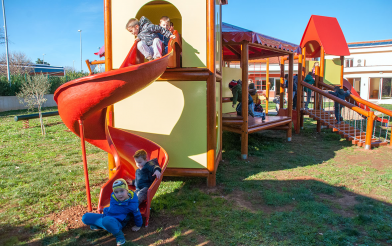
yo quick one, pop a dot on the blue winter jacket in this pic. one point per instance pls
(143, 177)
(124, 210)
(340, 94)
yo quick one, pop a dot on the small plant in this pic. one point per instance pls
(32, 94)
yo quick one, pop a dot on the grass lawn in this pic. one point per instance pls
(387, 106)
(316, 190)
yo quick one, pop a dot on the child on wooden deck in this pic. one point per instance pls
(236, 89)
(149, 43)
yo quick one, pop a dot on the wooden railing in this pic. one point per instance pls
(357, 118)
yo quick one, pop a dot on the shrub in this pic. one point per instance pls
(18, 80)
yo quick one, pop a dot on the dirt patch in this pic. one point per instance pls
(67, 219)
(242, 202)
(344, 203)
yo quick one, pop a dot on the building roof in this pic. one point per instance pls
(326, 32)
(370, 43)
(46, 69)
(262, 46)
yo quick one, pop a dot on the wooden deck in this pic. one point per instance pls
(232, 122)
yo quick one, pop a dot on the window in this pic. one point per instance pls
(258, 85)
(386, 91)
(349, 62)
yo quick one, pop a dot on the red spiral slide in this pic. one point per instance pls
(85, 99)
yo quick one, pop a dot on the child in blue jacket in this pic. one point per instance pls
(123, 204)
(341, 94)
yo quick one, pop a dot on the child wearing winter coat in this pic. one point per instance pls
(338, 92)
(236, 89)
(164, 22)
(123, 204)
(147, 34)
(145, 174)
(308, 79)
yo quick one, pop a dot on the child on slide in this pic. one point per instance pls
(123, 205)
(145, 174)
(149, 43)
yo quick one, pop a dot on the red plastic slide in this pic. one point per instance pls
(87, 98)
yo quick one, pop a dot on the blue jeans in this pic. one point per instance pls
(338, 112)
(108, 223)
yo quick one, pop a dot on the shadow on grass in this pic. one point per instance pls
(254, 212)
(273, 152)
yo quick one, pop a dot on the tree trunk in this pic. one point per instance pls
(43, 132)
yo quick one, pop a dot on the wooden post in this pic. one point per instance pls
(299, 94)
(281, 91)
(341, 70)
(86, 181)
(245, 87)
(290, 95)
(109, 67)
(316, 96)
(211, 104)
(321, 77)
(369, 130)
(108, 35)
(305, 71)
(322, 64)
(304, 62)
(267, 85)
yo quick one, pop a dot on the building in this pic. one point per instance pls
(369, 69)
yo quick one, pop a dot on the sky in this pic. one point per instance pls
(51, 27)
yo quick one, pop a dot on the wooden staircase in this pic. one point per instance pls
(351, 133)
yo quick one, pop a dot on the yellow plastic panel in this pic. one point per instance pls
(229, 74)
(172, 114)
(168, 111)
(332, 71)
(192, 25)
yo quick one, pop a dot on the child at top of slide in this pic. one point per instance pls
(149, 43)
(164, 22)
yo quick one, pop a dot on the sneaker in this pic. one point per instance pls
(121, 241)
(135, 228)
(149, 58)
(95, 228)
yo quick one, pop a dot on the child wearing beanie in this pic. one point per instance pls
(123, 204)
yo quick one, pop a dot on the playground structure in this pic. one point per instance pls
(178, 105)
(324, 36)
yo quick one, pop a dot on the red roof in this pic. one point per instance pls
(233, 35)
(326, 32)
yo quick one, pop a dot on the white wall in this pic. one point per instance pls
(12, 103)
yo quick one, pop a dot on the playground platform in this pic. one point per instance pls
(233, 123)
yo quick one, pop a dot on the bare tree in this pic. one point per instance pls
(69, 68)
(19, 63)
(32, 94)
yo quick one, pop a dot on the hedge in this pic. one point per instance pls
(18, 80)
